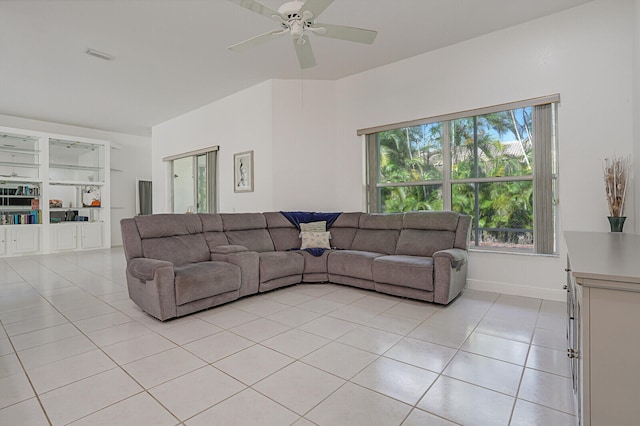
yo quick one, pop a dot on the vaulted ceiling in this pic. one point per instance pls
(171, 56)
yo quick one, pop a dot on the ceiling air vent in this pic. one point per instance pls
(98, 54)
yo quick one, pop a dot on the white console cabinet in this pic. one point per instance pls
(54, 193)
(603, 291)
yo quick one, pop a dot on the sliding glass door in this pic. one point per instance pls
(193, 182)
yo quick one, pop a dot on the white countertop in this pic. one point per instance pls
(611, 256)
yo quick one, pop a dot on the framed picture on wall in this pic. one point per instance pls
(243, 172)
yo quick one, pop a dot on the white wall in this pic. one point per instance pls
(585, 54)
(636, 109)
(242, 122)
(288, 124)
(129, 155)
(305, 146)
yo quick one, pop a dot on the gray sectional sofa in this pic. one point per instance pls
(182, 263)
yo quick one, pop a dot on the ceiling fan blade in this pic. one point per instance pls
(305, 54)
(254, 41)
(256, 7)
(359, 35)
(316, 6)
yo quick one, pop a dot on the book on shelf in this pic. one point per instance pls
(21, 218)
(27, 190)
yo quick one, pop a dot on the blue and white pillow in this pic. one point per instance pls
(315, 240)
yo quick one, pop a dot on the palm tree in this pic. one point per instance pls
(478, 150)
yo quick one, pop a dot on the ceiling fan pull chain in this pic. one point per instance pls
(301, 88)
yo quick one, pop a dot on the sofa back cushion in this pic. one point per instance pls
(179, 250)
(344, 230)
(426, 232)
(176, 238)
(213, 230)
(378, 233)
(284, 234)
(463, 232)
(131, 240)
(247, 229)
(211, 222)
(168, 225)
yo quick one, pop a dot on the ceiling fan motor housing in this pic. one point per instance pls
(291, 10)
(294, 20)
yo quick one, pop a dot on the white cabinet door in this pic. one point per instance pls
(91, 235)
(64, 237)
(25, 239)
(3, 241)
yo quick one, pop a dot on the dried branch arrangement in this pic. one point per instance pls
(616, 177)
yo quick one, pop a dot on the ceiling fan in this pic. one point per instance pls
(298, 19)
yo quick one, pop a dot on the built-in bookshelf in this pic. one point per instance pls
(15, 195)
(19, 203)
(54, 180)
(19, 157)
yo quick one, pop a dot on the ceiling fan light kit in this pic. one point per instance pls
(298, 19)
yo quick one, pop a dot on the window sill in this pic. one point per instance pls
(496, 250)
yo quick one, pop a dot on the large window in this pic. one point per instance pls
(495, 164)
(193, 181)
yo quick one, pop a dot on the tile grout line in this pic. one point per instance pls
(299, 359)
(24, 370)
(378, 356)
(524, 368)
(118, 365)
(441, 373)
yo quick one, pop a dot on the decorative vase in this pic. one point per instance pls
(616, 223)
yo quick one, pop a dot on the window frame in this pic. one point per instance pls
(544, 175)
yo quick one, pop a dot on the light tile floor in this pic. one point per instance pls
(75, 350)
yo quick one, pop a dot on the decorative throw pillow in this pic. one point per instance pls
(314, 226)
(315, 240)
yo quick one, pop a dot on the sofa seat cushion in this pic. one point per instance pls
(315, 264)
(406, 271)
(205, 279)
(352, 263)
(278, 264)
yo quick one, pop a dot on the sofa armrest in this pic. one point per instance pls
(458, 257)
(145, 269)
(248, 262)
(229, 249)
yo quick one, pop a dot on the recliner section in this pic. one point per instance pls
(183, 263)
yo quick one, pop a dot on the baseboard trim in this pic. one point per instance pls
(559, 295)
